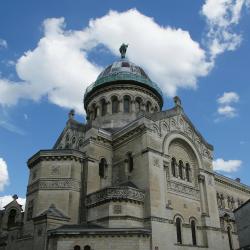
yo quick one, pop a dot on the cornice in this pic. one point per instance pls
(231, 183)
(56, 155)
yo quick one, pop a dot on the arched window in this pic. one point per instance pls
(181, 169)
(126, 104)
(77, 247)
(173, 164)
(87, 247)
(138, 104)
(188, 172)
(94, 110)
(178, 230)
(148, 106)
(156, 109)
(229, 238)
(130, 162)
(12, 218)
(104, 106)
(103, 168)
(193, 229)
(115, 104)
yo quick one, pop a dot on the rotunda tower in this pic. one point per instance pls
(120, 94)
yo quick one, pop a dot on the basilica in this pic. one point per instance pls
(133, 177)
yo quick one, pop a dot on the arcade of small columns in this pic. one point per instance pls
(116, 104)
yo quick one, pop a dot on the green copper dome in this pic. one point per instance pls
(123, 70)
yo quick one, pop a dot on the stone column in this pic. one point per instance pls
(120, 105)
(201, 179)
(133, 106)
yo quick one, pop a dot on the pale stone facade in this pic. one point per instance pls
(242, 219)
(132, 177)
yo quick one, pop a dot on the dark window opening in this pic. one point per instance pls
(115, 105)
(104, 107)
(229, 238)
(87, 247)
(178, 230)
(148, 106)
(193, 229)
(130, 163)
(12, 218)
(126, 104)
(103, 168)
(77, 247)
(125, 64)
(94, 112)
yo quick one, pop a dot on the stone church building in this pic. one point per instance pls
(133, 177)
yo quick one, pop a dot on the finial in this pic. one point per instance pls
(71, 114)
(123, 50)
(177, 101)
(15, 197)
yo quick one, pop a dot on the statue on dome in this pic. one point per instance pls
(123, 50)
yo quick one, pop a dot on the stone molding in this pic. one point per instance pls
(231, 183)
(102, 232)
(120, 217)
(115, 194)
(56, 155)
(129, 135)
(54, 184)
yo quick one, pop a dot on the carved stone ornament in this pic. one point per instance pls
(201, 178)
(117, 209)
(115, 193)
(53, 184)
(156, 162)
(183, 189)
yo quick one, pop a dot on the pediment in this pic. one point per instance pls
(13, 204)
(175, 120)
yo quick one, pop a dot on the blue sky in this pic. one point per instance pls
(51, 50)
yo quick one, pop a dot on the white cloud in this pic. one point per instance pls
(169, 55)
(4, 200)
(60, 69)
(226, 166)
(221, 17)
(228, 97)
(4, 175)
(3, 43)
(227, 111)
(225, 108)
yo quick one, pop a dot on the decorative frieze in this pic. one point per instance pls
(183, 189)
(115, 193)
(52, 184)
